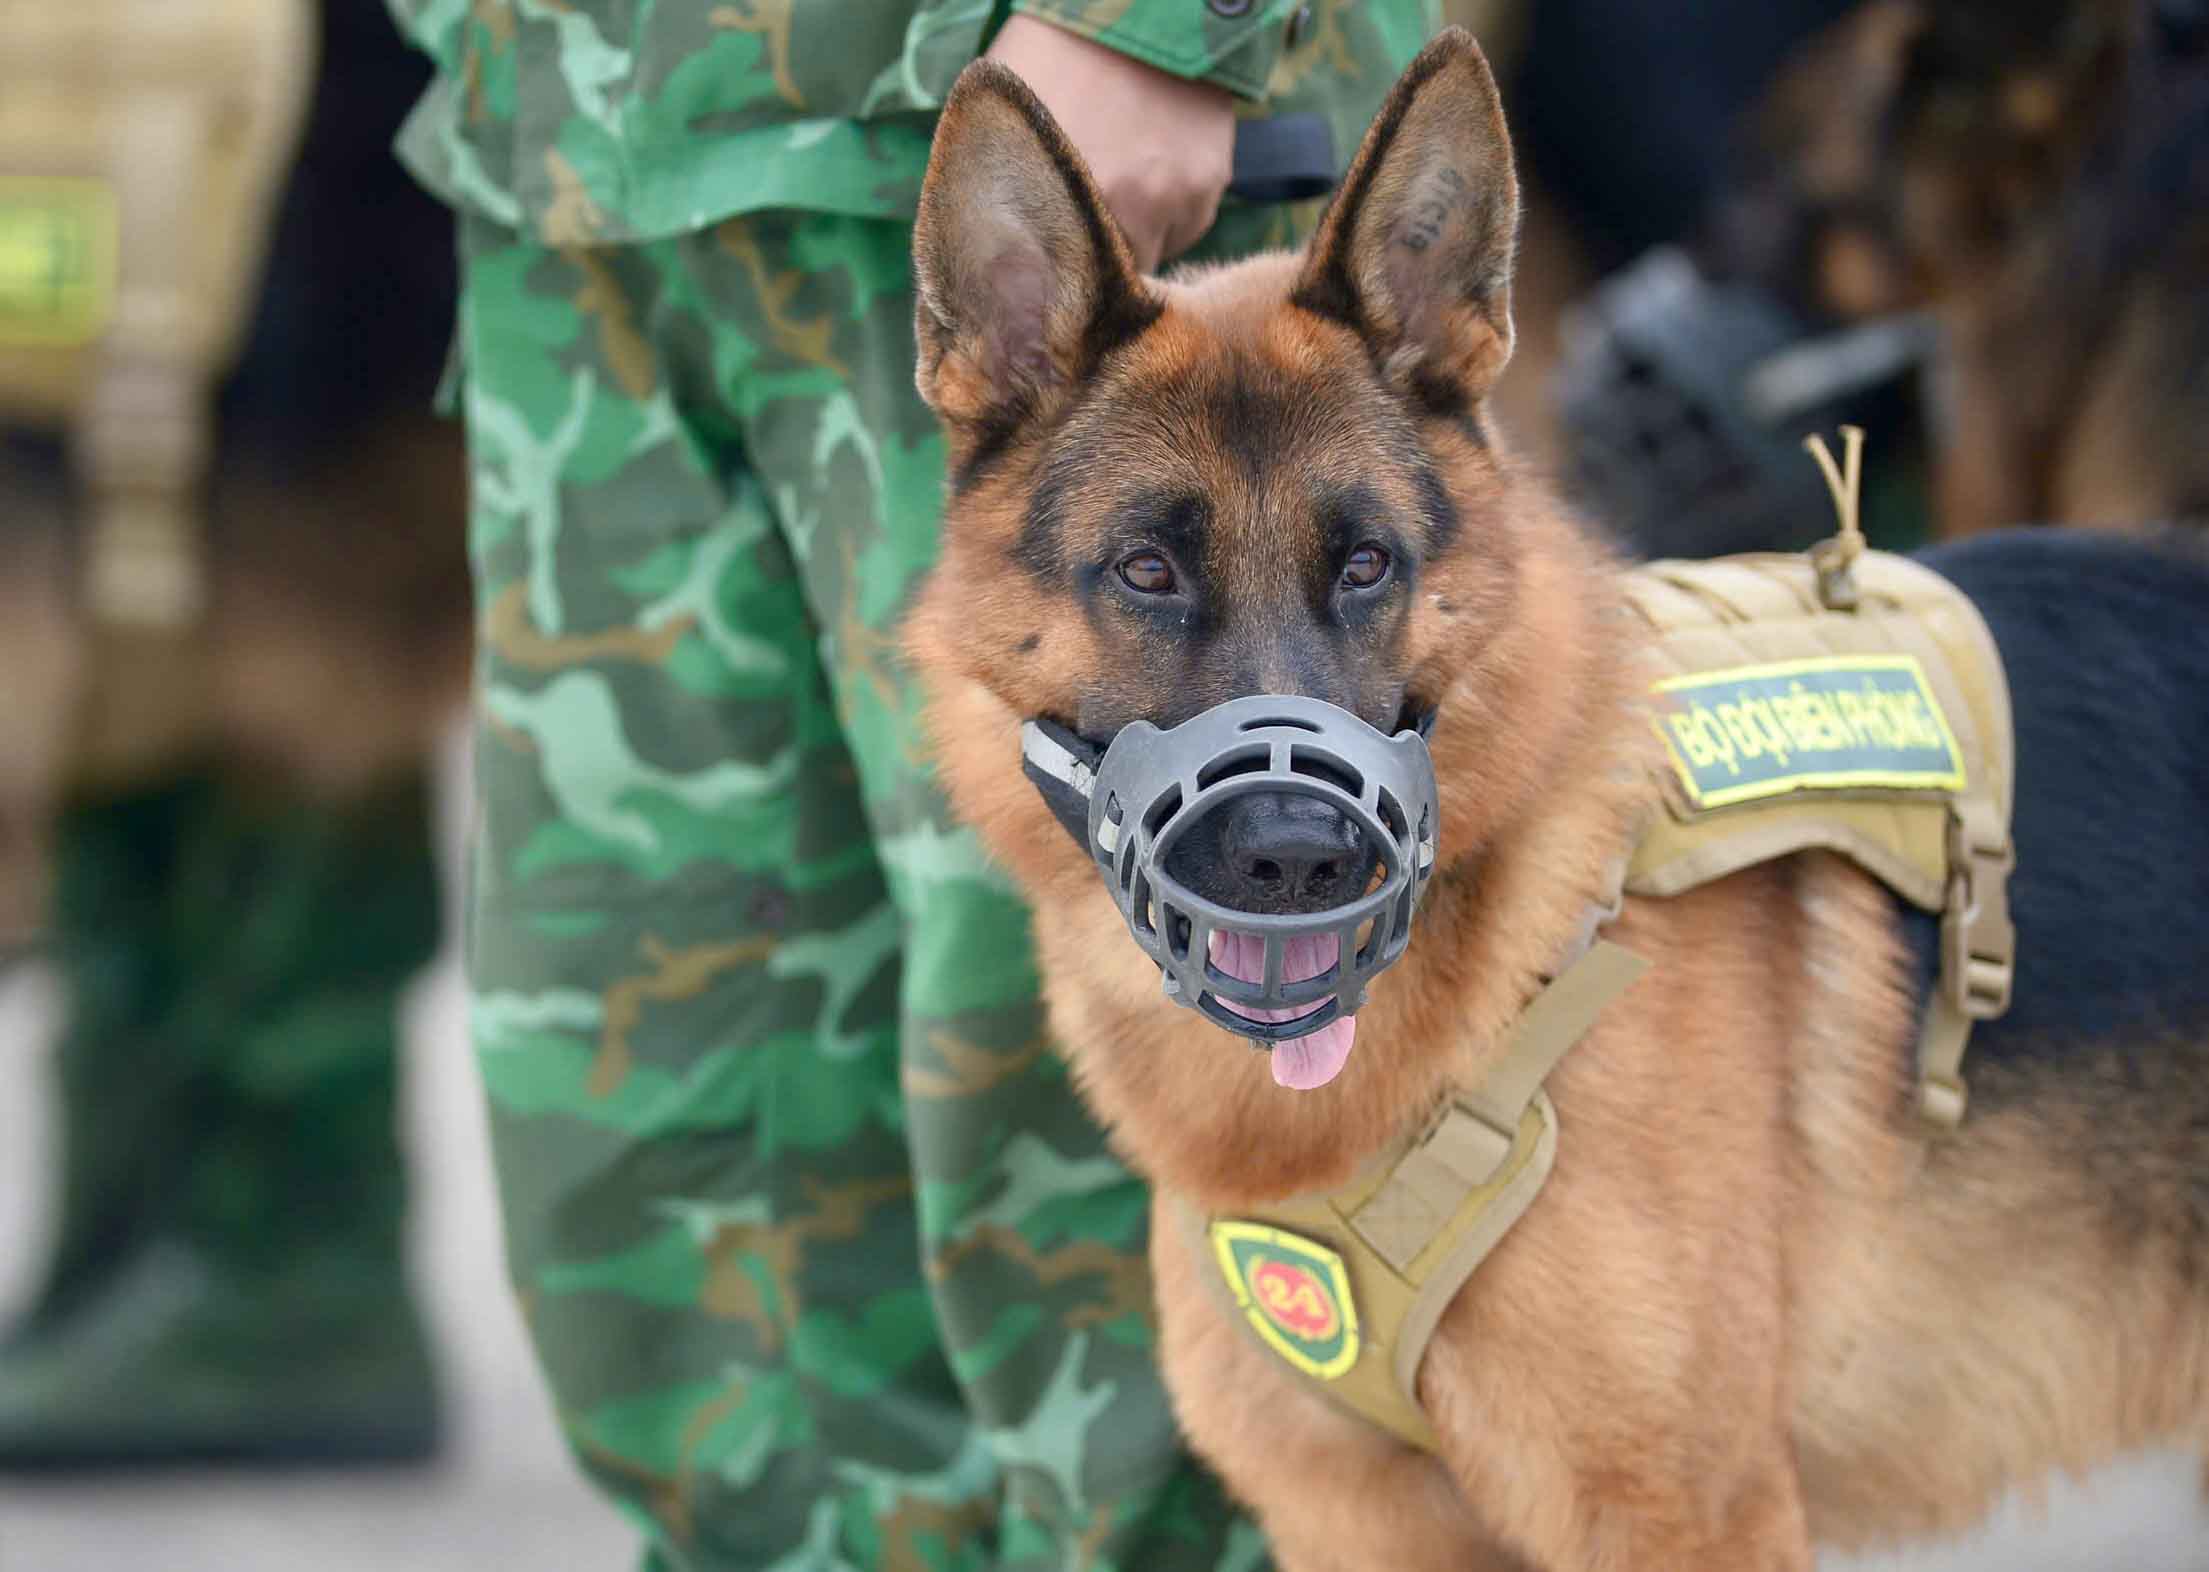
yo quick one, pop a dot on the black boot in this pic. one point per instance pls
(229, 1283)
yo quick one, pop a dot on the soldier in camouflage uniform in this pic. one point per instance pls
(825, 1262)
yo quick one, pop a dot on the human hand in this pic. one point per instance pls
(1161, 148)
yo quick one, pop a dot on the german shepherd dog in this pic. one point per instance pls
(2036, 173)
(1758, 1305)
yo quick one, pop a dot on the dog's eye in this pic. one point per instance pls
(1367, 566)
(1147, 573)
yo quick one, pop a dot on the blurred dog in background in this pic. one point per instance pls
(2035, 174)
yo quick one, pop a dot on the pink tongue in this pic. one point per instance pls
(1303, 1062)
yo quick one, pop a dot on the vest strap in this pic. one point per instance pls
(1417, 1223)
(1978, 956)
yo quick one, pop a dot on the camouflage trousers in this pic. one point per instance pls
(824, 1262)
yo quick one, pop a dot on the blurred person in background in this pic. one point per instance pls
(824, 1263)
(234, 623)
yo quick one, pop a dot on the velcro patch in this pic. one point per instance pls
(57, 260)
(1295, 1293)
(1831, 723)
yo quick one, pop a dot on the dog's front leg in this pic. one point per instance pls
(1611, 1401)
(1765, 1532)
(1569, 1516)
(1582, 1484)
(1414, 1522)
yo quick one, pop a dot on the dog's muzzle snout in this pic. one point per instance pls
(1284, 852)
(1319, 829)
(1274, 851)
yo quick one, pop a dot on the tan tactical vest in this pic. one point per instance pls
(142, 147)
(1845, 700)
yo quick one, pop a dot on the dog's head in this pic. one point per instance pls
(1277, 477)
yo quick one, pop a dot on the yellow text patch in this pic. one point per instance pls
(1832, 723)
(57, 260)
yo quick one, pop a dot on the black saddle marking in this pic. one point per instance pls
(2106, 643)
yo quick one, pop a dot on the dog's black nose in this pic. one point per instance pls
(1288, 852)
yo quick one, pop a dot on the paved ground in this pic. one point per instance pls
(509, 1502)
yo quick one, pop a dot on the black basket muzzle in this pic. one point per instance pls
(1131, 803)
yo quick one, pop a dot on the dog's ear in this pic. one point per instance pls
(1025, 281)
(1415, 252)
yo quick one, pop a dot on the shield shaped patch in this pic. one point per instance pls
(1296, 1294)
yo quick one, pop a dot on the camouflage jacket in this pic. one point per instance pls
(602, 121)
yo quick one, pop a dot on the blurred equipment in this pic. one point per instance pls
(232, 610)
(1684, 401)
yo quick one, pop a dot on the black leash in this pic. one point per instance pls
(1289, 158)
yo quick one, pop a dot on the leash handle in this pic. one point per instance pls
(1835, 557)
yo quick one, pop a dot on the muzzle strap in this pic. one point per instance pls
(1063, 767)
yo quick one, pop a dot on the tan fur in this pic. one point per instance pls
(1753, 1307)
